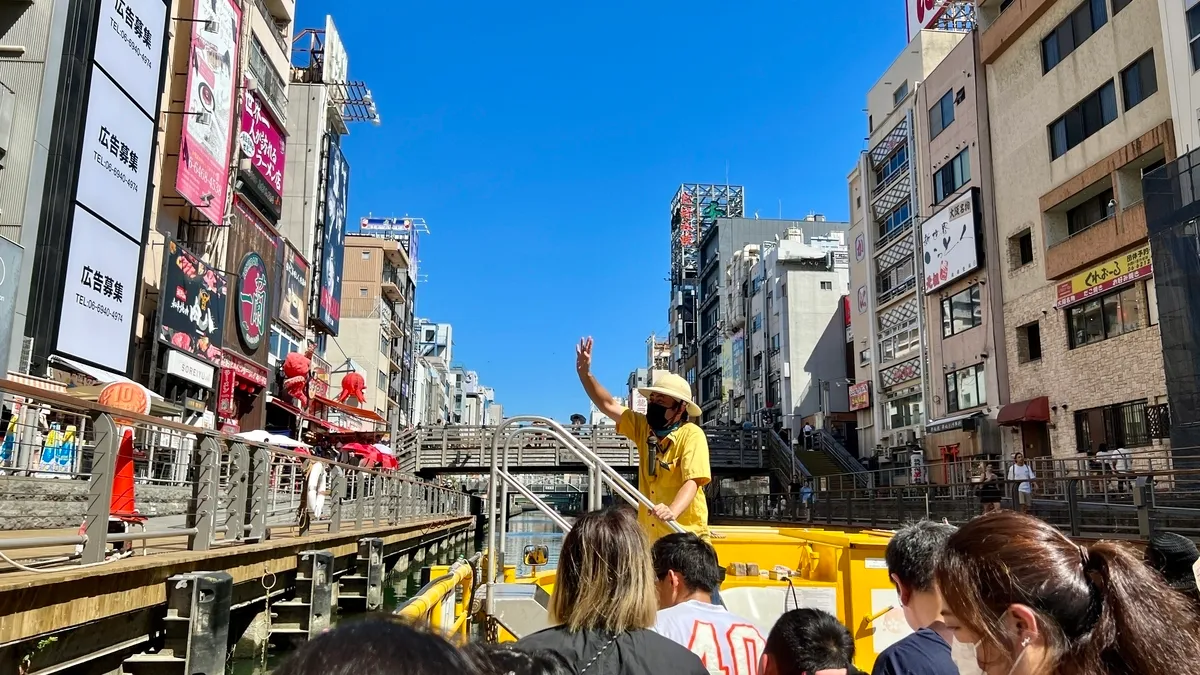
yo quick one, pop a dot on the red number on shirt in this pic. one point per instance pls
(747, 645)
(704, 644)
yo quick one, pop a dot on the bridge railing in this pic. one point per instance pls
(193, 488)
(1136, 504)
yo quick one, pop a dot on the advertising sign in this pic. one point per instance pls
(115, 168)
(1123, 269)
(948, 242)
(336, 67)
(862, 299)
(10, 274)
(129, 47)
(923, 15)
(262, 142)
(252, 301)
(329, 302)
(205, 146)
(860, 396)
(291, 295)
(192, 370)
(860, 247)
(97, 310)
(400, 230)
(193, 304)
(226, 402)
(129, 396)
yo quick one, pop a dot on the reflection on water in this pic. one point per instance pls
(532, 529)
(527, 529)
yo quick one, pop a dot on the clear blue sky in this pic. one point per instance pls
(543, 143)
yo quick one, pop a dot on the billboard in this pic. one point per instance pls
(204, 146)
(329, 301)
(401, 230)
(192, 308)
(923, 15)
(291, 300)
(262, 142)
(1123, 269)
(336, 66)
(949, 242)
(860, 396)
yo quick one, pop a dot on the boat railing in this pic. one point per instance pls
(444, 604)
(600, 473)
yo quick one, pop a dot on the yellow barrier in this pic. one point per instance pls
(444, 603)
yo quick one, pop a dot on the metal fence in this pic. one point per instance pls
(194, 489)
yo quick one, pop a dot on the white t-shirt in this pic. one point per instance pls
(726, 643)
(1024, 473)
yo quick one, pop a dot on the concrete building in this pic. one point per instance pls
(432, 382)
(375, 315)
(961, 260)
(795, 361)
(887, 313)
(1077, 116)
(719, 243)
(1180, 23)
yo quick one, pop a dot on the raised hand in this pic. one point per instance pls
(583, 356)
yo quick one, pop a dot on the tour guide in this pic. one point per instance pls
(674, 463)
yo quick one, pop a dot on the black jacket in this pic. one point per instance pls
(639, 652)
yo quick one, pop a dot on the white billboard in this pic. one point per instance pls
(336, 66)
(948, 242)
(129, 47)
(114, 170)
(98, 295)
(923, 14)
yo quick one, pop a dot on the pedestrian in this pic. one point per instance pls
(912, 555)
(1020, 471)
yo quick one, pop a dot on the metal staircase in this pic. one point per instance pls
(825, 443)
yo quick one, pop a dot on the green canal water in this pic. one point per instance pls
(527, 529)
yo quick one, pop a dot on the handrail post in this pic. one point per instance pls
(359, 498)
(260, 487)
(337, 492)
(1142, 499)
(239, 490)
(1073, 505)
(100, 489)
(203, 512)
(377, 486)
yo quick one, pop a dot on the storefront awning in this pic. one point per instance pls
(362, 413)
(278, 402)
(1033, 410)
(964, 422)
(97, 374)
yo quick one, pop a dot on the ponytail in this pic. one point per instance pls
(1137, 624)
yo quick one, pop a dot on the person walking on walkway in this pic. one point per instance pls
(1020, 471)
(674, 466)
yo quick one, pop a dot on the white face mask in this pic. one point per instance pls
(963, 656)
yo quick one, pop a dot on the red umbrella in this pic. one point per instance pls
(369, 454)
(388, 462)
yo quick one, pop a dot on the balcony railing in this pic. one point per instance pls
(897, 290)
(270, 84)
(266, 15)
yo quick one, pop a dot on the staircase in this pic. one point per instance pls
(838, 457)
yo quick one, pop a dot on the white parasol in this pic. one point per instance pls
(263, 436)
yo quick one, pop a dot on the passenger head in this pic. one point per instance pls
(806, 642)
(1172, 556)
(507, 659)
(605, 580)
(1033, 601)
(376, 647)
(686, 568)
(912, 555)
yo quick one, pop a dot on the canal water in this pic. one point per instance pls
(526, 529)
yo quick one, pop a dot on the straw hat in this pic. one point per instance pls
(670, 384)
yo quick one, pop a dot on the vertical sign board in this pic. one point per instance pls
(206, 142)
(10, 274)
(105, 229)
(329, 305)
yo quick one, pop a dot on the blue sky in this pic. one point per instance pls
(543, 143)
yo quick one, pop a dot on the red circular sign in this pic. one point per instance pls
(252, 301)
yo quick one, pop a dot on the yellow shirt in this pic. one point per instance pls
(682, 456)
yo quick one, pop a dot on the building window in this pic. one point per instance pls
(366, 255)
(900, 93)
(1078, 124)
(941, 115)
(897, 219)
(1123, 425)
(1029, 342)
(1105, 317)
(1072, 32)
(961, 312)
(902, 345)
(864, 357)
(827, 285)
(966, 389)
(904, 412)
(382, 380)
(1095, 210)
(1119, 5)
(1020, 249)
(953, 176)
(430, 335)
(894, 277)
(1193, 25)
(892, 165)
(362, 292)
(383, 344)
(1139, 81)
(756, 323)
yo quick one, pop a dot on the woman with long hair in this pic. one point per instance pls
(1024, 599)
(605, 602)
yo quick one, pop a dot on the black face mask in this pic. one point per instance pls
(656, 415)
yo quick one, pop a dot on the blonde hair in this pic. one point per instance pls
(605, 577)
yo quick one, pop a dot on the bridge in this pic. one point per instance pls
(216, 530)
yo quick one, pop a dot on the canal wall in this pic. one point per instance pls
(52, 503)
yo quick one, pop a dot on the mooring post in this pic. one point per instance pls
(370, 565)
(196, 628)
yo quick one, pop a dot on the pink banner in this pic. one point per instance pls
(206, 142)
(263, 144)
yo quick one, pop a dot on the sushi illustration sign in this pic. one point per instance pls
(949, 242)
(207, 140)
